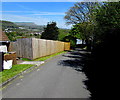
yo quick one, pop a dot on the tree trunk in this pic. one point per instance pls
(88, 44)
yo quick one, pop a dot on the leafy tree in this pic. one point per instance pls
(105, 52)
(12, 35)
(63, 33)
(81, 12)
(108, 21)
(51, 32)
(82, 15)
(102, 25)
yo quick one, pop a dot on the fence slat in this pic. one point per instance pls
(33, 48)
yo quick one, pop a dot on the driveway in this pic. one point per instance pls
(59, 77)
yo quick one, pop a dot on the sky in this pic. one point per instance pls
(38, 12)
(54, 0)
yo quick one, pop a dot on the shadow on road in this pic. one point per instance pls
(77, 60)
(73, 60)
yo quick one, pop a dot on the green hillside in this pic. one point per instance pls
(30, 26)
(7, 24)
(25, 23)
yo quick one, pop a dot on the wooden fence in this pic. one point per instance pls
(33, 48)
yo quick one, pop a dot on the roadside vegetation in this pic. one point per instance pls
(18, 30)
(16, 69)
(98, 25)
(50, 56)
(44, 58)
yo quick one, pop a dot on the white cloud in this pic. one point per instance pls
(57, 0)
(36, 12)
(40, 0)
(36, 19)
(50, 13)
(18, 18)
(13, 11)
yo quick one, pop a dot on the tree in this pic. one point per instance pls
(82, 15)
(105, 52)
(105, 26)
(108, 21)
(63, 33)
(81, 12)
(12, 35)
(50, 32)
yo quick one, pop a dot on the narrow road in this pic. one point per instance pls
(59, 77)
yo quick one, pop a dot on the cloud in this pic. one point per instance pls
(14, 11)
(58, 0)
(36, 12)
(50, 13)
(41, 0)
(36, 19)
(20, 18)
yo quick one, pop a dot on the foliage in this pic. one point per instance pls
(26, 59)
(50, 56)
(20, 29)
(81, 12)
(44, 58)
(82, 15)
(50, 32)
(105, 51)
(16, 69)
(102, 27)
(30, 26)
(62, 34)
(108, 21)
(14, 35)
(67, 36)
(8, 24)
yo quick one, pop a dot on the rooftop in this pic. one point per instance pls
(3, 36)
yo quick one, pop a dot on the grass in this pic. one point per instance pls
(16, 69)
(43, 58)
(26, 59)
(47, 57)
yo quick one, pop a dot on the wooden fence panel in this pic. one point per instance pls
(30, 53)
(43, 47)
(39, 48)
(48, 47)
(20, 48)
(67, 46)
(55, 43)
(28, 48)
(33, 48)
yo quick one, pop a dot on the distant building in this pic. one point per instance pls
(4, 40)
(36, 33)
(7, 30)
(21, 28)
(79, 41)
(3, 36)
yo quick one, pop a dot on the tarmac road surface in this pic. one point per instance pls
(57, 78)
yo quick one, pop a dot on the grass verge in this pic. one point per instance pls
(47, 57)
(43, 58)
(16, 69)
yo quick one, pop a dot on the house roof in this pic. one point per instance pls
(3, 36)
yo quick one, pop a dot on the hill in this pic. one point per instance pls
(25, 23)
(30, 26)
(8, 24)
